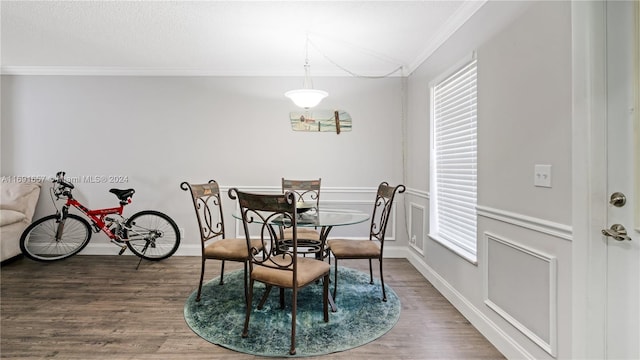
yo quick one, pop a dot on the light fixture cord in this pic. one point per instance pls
(399, 68)
(307, 82)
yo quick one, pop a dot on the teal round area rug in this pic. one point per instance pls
(361, 316)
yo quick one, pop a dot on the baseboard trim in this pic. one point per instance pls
(391, 252)
(496, 336)
(96, 248)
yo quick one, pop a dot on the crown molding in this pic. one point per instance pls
(151, 71)
(457, 20)
(122, 71)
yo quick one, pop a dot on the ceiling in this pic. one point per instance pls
(235, 38)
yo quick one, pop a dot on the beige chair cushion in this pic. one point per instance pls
(309, 270)
(354, 249)
(303, 233)
(230, 249)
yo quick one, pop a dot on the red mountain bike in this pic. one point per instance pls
(149, 234)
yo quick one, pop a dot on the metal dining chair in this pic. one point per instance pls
(373, 247)
(307, 191)
(282, 268)
(214, 243)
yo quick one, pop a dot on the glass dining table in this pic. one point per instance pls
(324, 220)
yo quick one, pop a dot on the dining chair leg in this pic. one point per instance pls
(325, 297)
(294, 309)
(370, 272)
(201, 280)
(267, 291)
(335, 280)
(222, 274)
(246, 285)
(384, 292)
(245, 330)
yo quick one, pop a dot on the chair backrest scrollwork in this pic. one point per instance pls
(382, 210)
(304, 190)
(261, 216)
(208, 207)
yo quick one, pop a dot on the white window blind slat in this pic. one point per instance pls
(454, 168)
(453, 80)
(458, 119)
(464, 140)
(459, 100)
(455, 127)
(451, 107)
(460, 192)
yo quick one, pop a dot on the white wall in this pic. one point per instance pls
(519, 292)
(160, 131)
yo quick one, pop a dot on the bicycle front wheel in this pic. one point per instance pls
(51, 239)
(152, 235)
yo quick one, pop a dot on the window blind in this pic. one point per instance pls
(454, 168)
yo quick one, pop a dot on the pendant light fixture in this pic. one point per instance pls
(307, 97)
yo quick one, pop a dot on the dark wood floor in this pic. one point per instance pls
(100, 307)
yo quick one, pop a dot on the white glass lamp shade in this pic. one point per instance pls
(306, 98)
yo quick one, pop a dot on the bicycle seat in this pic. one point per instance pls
(122, 195)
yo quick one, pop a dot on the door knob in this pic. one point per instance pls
(618, 199)
(617, 231)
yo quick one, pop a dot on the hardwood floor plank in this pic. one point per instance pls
(101, 307)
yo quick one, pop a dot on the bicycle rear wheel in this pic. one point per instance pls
(152, 235)
(39, 241)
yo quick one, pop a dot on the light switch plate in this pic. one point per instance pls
(542, 175)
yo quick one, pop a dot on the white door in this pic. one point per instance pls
(622, 251)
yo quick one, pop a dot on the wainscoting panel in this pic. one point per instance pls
(417, 223)
(533, 308)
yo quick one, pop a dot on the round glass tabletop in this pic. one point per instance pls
(327, 217)
(331, 217)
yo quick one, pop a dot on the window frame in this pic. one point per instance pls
(461, 248)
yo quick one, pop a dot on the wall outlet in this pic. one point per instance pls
(542, 175)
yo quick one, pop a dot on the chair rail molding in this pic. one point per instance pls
(554, 229)
(417, 192)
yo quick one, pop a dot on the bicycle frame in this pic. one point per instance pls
(149, 234)
(98, 215)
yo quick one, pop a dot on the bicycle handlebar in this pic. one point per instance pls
(60, 180)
